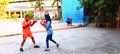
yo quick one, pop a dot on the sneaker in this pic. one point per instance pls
(21, 49)
(47, 49)
(57, 45)
(36, 46)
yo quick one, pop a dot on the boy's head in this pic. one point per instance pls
(27, 17)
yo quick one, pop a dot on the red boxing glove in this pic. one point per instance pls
(34, 21)
(43, 23)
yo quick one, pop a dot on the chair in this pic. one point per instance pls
(69, 21)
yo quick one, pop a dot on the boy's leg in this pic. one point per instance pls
(23, 42)
(54, 41)
(21, 49)
(47, 43)
(33, 40)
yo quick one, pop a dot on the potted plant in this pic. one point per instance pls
(15, 16)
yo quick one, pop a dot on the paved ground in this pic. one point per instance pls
(9, 28)
(84, 40)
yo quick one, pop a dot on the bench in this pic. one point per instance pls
(118, 23)
(97, 22)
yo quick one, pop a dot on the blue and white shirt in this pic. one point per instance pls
(49, 28)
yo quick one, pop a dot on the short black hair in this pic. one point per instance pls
(27, 16)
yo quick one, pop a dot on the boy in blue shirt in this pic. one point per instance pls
(49, 32)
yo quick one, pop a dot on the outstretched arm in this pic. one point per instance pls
(33, 22)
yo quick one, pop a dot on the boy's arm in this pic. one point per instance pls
(33, 22)
(26, 24)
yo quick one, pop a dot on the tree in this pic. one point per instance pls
(58, 7)
(92, 6)
(38, 4)
(105, 8)
(3, 3)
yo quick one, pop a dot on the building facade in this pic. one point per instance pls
(21, 6)
(69, 10)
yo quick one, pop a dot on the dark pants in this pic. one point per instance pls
(69, 22)
(49, 37)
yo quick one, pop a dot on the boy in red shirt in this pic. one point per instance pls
(27, 32)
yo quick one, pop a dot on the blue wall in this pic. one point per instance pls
(69, 10)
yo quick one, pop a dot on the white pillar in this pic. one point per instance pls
(20, 14)
(9, 12)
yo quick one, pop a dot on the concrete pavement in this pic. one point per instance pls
(10, 28)
(84, 40)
